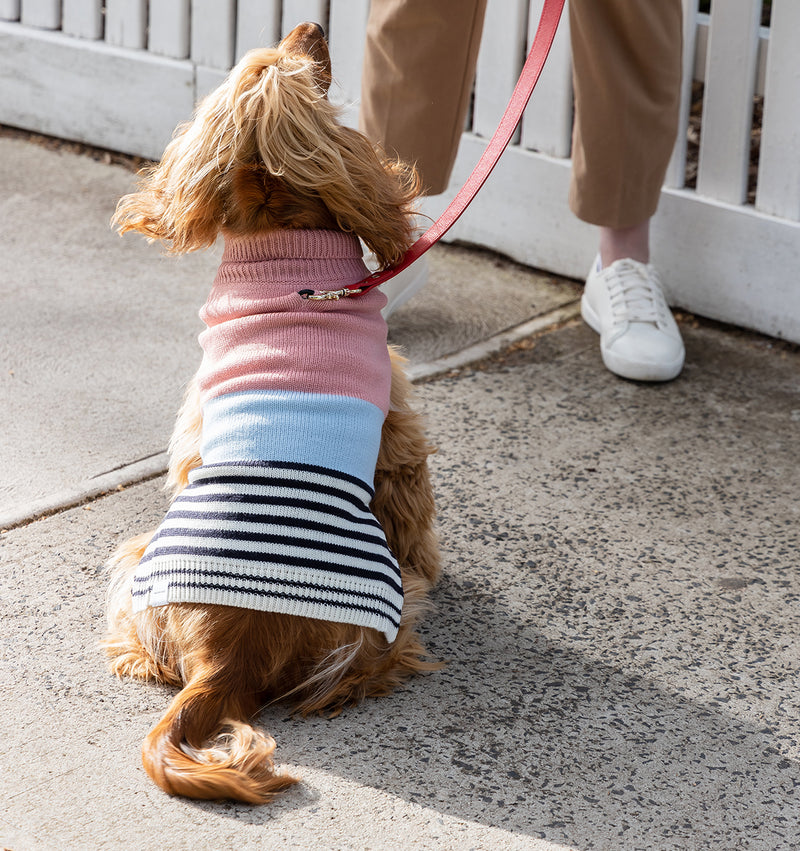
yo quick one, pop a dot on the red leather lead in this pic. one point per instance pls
(531, 70)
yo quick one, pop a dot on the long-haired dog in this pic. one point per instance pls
(301, 497)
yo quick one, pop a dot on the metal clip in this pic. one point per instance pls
(328, 295)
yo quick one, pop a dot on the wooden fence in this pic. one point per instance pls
(122, 73)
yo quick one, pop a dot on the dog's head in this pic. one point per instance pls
(265, 151)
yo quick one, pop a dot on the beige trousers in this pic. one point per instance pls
(419, 66)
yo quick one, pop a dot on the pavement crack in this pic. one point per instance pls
(126, 465)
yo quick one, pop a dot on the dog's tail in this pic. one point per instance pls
(204, 747)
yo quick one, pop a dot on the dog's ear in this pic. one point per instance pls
(181, 201)
(174, 203)
(372, 196)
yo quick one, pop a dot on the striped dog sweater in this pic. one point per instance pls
(294, 396)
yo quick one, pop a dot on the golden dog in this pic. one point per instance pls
(265, 162)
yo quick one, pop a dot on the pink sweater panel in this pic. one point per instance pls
(261, 335)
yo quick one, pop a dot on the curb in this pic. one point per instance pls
(89, 489)
(492, 345)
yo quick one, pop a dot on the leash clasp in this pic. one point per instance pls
(328, 295)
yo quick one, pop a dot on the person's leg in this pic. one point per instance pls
(633, 242)
(627, 76)
(419, 65)
(626, 58)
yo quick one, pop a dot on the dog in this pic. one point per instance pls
(298, 552)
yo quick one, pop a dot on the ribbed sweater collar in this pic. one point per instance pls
(315, 258)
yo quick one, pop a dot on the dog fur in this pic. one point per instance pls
(265, 152)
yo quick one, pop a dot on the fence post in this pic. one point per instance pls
(126, 23)
(676, 171)
(779, 164)
(82, 18)
(258, 24)
(169, 28)
(45, 14)
(728, 102)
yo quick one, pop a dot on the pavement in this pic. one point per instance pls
(620, 604)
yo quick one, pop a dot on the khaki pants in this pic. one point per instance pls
(419, 66)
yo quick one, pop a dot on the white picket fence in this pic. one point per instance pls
(122, 73)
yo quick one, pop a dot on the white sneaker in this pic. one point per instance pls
(639, 337)
(402, 286)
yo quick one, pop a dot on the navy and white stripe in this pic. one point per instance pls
(274, 536)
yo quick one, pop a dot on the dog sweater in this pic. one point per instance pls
(294, 395)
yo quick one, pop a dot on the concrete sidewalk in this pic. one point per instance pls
(619, 607)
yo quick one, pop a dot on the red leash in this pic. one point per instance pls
(543, 40)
